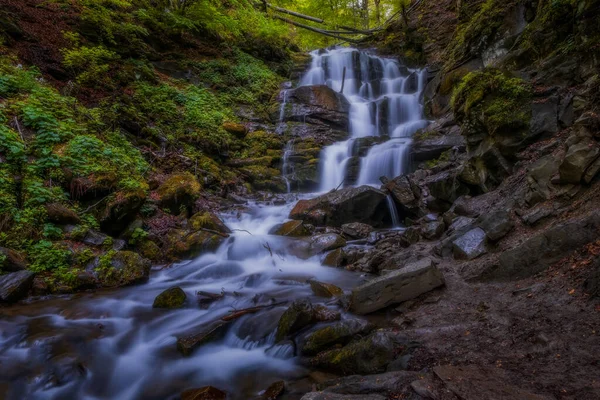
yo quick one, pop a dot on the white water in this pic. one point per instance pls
(287, 168)
(127, 349)
(384, 101)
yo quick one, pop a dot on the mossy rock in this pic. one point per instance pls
(150, 250)
(323, 289)
(208, 220)
(122, 268)
(121, 210)
(370, 355)
(334, 258)
(61, 214)
(301, 314)
(178, 192)
(185, 244)
(238, 130)
(292, 229)
(338, 333)
(171, 298)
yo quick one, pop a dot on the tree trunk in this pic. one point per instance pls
(365, 13)
(378, 12)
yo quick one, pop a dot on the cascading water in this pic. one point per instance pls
(114, 345)
(384, 101)
(287, 168)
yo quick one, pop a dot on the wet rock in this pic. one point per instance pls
(11, 260)
(293, 229)
(259, 326)
(301, 314)
(326, 242)
(404, 193)
(357, 230)
(578, 158)
(544, 117)
(205, 299)
(446, 187)
(403, 284)
(178, 192)
(171, 298)
(470, 245)
(340, 332)
(121, 268)
(539, 186)
(476, 382)
(433, 230)
(323, 289)
(334, 258)
(274, 391)
(318, 104)
(430, 148)
(388, 382)
(496, 224)
(120, 211)
(208, 220)
(544, 249)
(366, 356)
(592, 171)
(204, 393)
(187, 244)
(335, 396)
(352, 204)
(15, 286)
(188, 344)
(95, 238)
(61, 215)
(537, 214)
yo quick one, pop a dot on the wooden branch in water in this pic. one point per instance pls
(295, 14)
(317, 30)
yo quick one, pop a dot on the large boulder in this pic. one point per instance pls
(579, 157)
(470, 245)
(15, 286)
(430, 147)
(369, 355)
(318, 104)
(301, 314)
(121, 268)
(352, 204)
(544, 249)
(406, 283)
(496, 224)
(178, 192)
(337, 333)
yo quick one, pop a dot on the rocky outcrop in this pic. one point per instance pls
(361, 204)
(15, 286)
(318, 104)
(542, 250)
(397, 286)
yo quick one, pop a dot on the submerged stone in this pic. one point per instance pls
(171, 298)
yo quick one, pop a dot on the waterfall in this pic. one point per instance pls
(281, 125)
(384, 99)
(393, 211)
(287, 169)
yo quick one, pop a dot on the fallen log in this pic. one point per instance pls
(295, 14)
(317, 30)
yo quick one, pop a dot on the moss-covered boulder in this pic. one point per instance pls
(340, 332)
(293, 229)
(171, 298)
(121, 268)
(366, 356)
(238, 130)
(186, 244)
(150, 250)
(323, 289)
(301, 314)
(121, 210)
(178, 192)
(208, 220)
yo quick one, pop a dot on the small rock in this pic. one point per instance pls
(274, 391)
(15, 286)
(293, 229)
(404, 284)
(433, 230)
(334, 258)
(323, 289)
(470, 245)
(204, 393)
(188, 344)
(357, 230)
(171, 298)
(338, 333)
(326, 242)
(496, 224)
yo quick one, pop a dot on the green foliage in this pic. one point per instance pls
(90, 64)
(52, 232)
(45, 256)
(137, 236)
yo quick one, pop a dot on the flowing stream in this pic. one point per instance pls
(114, 345)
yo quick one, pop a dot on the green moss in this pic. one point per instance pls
(444, 157)
(119, 268)
(171, 298)
(494, 100)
